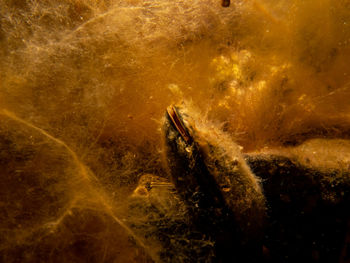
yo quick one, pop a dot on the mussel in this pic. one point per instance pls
(276, 206)
(219, 205)
(225, 199)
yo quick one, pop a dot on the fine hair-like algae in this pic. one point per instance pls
(83, 89)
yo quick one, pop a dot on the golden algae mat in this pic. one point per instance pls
(83, 90)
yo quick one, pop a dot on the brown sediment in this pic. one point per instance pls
(93, 79)
(89, 183)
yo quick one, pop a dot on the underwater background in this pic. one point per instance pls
(84, 85)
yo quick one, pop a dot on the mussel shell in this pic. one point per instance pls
(218, 196)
